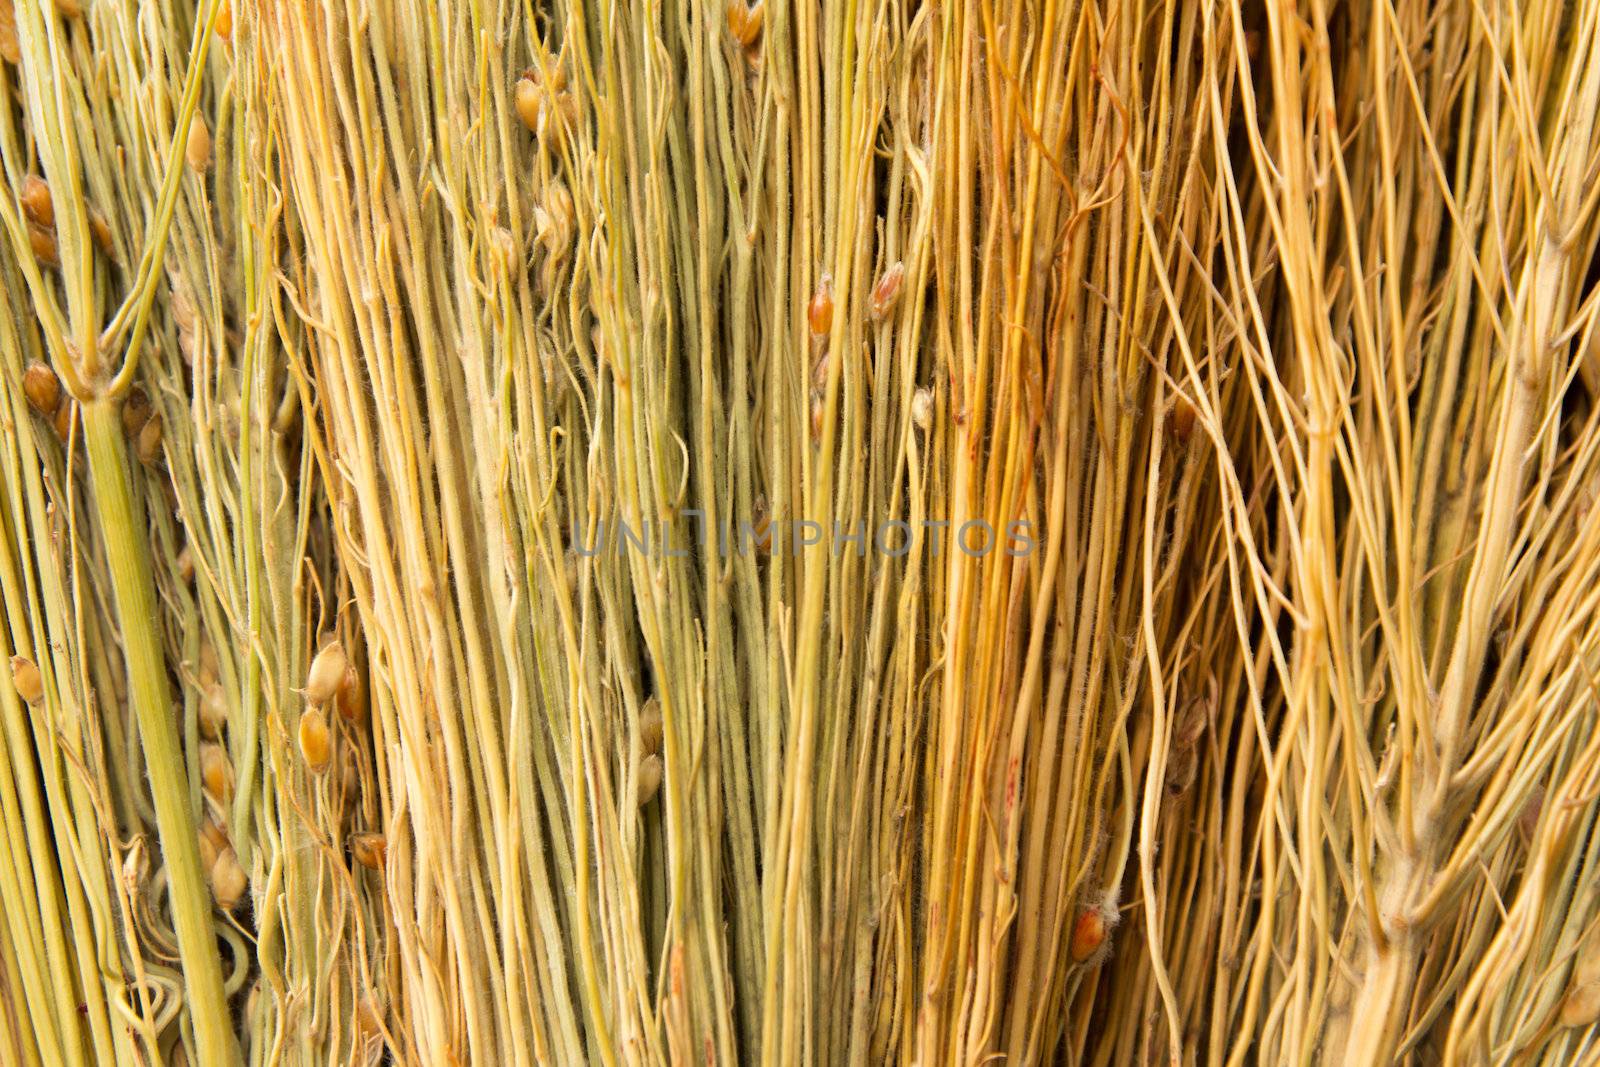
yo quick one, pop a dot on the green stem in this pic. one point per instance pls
(128, 551)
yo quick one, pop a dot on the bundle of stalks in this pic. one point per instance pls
(619, 533)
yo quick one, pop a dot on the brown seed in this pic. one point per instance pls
(327, 673)
(1088, 934)
(100, 230)
(922, 408)
(819, 313)
(26, 677)
(185, 564)
(208, 661)
(216, 773)
(352, 697)
(648, 781)
(228, 881)
(149, 444)
(761, 529)
(349, 778)
(213, 710)
(43, 243)
(1180, 420)
(42, 388)
(886, 294)
(819, 371)
(369, 1020)
(566, 112)
(10, 43)
(63, 418)
(369, 850)
(744, 22)
(184, 315)
(1581, 1006)
(224, 23)
(70, 9)
(135, 412)
(35, 197)
(651, 726)
(135, 865)
(209, 848)
(316, 743)
(1182, 768)
(215, 834)
(529, 100)
(212, 835)
(198, 149)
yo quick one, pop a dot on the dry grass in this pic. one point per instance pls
(338, 340)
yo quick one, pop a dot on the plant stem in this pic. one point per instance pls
(128, 552)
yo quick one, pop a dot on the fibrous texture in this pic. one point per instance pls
(631, 531)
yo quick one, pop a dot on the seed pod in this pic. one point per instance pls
(216, 773)
(651, 726)
(43, 243)
(213, 710)
(819, 313)
(327, 673)
(224, 23)
(1089, 933)
(886, 294)
(63, 418)
(36, 202)
(149, 443)
(922, 408)
(352, 697)
(228, 881)
(185, 564)
(648, 780)
(744, 22)
(316, 742)
(135, 412)
(26, 677)
(42, 388)
(369, 850)
(198, 149)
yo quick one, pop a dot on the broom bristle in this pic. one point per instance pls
(619, 533)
